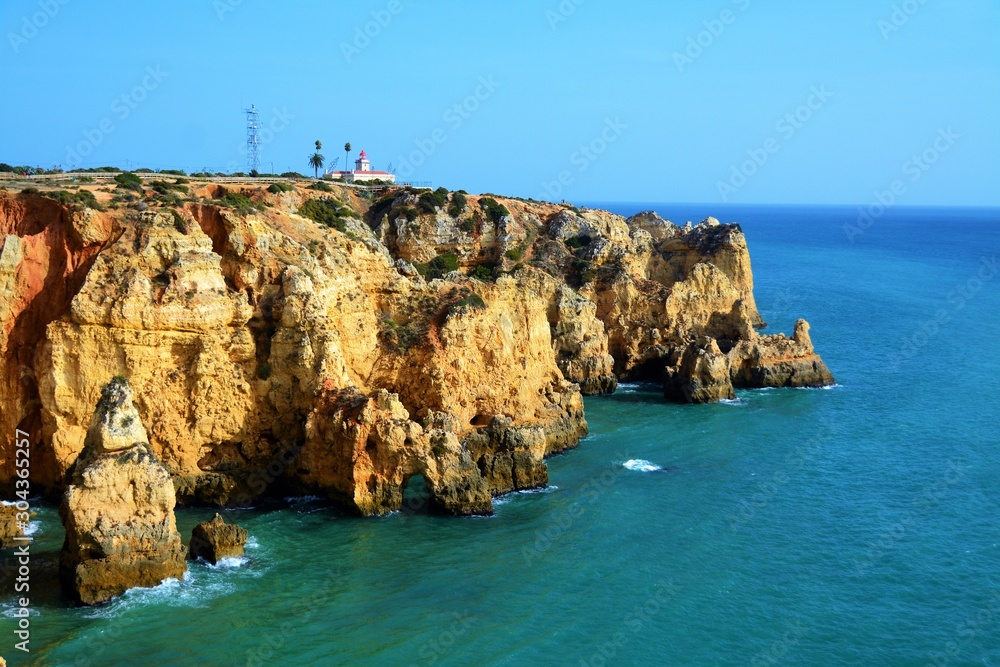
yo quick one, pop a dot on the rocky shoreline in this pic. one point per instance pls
(295, 340)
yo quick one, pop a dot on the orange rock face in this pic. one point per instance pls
(274, 348)
(45, 254)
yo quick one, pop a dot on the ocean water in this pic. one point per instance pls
(849, 526)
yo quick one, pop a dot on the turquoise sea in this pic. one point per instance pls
(851, 526)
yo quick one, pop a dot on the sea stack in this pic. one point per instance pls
(702, 376)
(119, 508)
(214, 540)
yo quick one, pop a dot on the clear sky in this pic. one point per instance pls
(586, 100)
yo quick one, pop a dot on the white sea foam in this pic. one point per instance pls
(7, 610)
(302, 499)
(547, 489)
(201, 583)
(641, 465)
(252, 543)
(231, 562)
(507, 497)
(731, 401)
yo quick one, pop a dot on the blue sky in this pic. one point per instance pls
(578, 99)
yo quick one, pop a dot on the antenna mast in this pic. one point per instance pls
(253, 138)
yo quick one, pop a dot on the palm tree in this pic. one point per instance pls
(316, 161)
(319, 145)
(347, 149)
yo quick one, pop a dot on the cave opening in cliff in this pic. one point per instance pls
(416, 495)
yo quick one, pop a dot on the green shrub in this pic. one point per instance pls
(30, 190)
(165, 188)
(327, 212)
(494, 210)
(401, 336)
(292, 174)
(180, 224)
(236, 200)
(278, 188)
(439, 267)
(321, 186)
(380, 208)
(458, 203)
(514, 254)
(469, 303)
(128, 181)
(144, 170)
(407, 212)
(578, 242)
(431, 201)
(583, 272)
(483, 272)
(174, 172)
(75, 200)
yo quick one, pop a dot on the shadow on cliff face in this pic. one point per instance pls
(46, 590)
(416, 496)
(47, 251)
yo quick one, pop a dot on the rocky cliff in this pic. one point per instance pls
(118, 510)
(328, 341)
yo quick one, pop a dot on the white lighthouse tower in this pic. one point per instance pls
(362, 163)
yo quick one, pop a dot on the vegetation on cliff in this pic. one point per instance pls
(287, 338)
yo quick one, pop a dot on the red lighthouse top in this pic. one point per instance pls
(363, 154)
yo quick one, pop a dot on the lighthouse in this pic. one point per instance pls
(362, 163)
(363, 173)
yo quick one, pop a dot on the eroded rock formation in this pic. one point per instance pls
(9, 530)
(118, 510)
(324, 342)
(214, 540)
(701, 376)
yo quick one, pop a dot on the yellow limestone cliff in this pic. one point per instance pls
(330, 341)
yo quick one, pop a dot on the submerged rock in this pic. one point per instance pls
(119, 508)
(214, 540)
(8, 526)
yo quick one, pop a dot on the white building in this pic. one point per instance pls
(363, 173)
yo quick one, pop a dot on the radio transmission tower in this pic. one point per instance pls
(253, 138)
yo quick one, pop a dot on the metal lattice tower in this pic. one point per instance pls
(253, 138)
